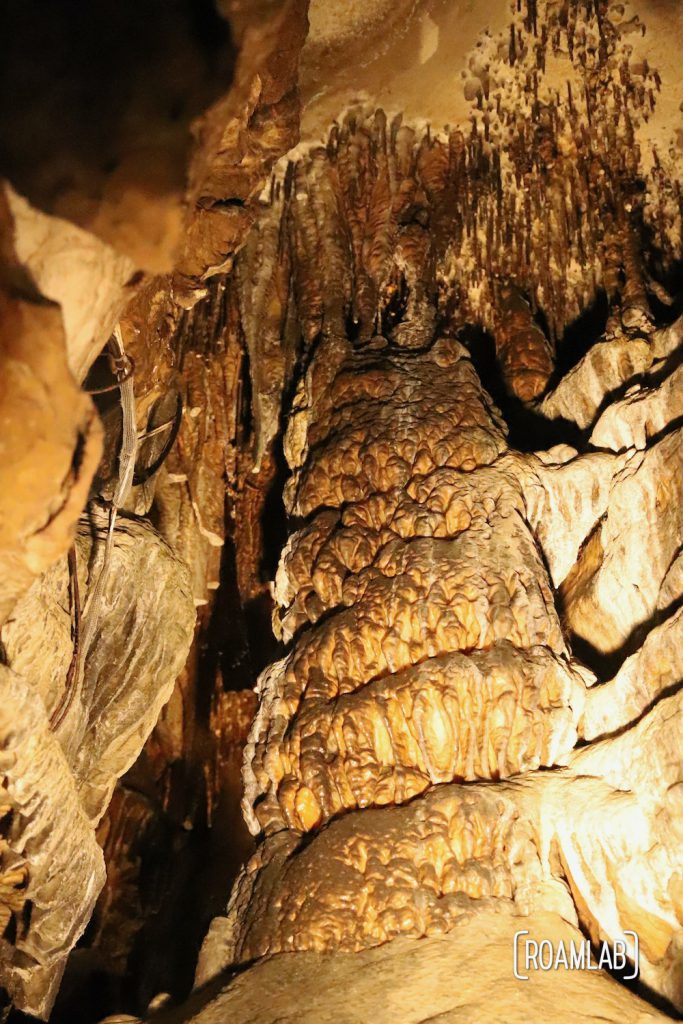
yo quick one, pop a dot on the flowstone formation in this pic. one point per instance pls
(515, 222)
(437, 578)
(407, 385)
(427, 649)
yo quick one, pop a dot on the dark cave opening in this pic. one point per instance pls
(580, 336)
(82, 83)
(529, 430)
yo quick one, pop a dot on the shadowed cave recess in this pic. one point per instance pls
(341, 532)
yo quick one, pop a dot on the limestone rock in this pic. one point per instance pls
(622, 852)
(466, 971)
(59, 770)
(414, 775)
(642, 415)
(458, 851)
(48, 840)
(656, 668)
(49, 451)
(69, 266)
(565, 500)
(604, 369)
(614, 588)
(432, 556)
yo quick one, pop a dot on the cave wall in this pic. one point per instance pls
(432, 350)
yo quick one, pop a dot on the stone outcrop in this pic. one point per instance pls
(66, 737)
(613, 590)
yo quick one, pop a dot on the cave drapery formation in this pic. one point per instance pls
(436, 372)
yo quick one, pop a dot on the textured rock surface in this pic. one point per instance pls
(416, 871)
(566, 495)
(603, 370)
(655, 668)
(623, 854)
(439, 654)
(613, 591)
(68, 264)
(58, 778)
(642, 415)
(48, 846)
(444, 575)
(183, 332)
(50, 441)
(599, 378)
(445, 977)
(426, 642)
(457, 852)
(426, 648)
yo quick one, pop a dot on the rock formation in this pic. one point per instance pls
(435, 369)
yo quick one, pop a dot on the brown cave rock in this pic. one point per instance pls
(340, 531)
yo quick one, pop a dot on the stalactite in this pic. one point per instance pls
(536, 201)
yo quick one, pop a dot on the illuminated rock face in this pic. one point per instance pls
(418, 595)
(432, 766)
(427, 649)
(437, 653)
(437, 580)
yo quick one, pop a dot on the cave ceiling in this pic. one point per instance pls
(341, 570)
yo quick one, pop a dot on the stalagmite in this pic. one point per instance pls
(340, 613)
(424, 642)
